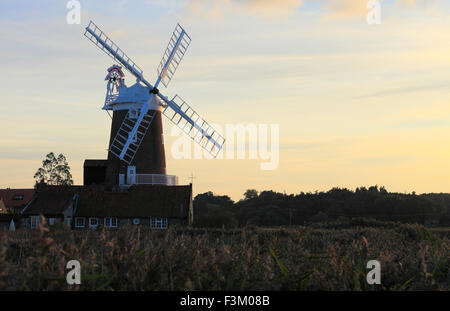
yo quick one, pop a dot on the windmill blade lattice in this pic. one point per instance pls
(183, 116)
(126, 144)
(104, 43)
(177, 47)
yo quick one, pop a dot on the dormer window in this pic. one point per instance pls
(18, 197)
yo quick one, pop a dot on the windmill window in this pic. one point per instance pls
(34, 222)
(93, 222)
(158, 223)
(133, 114)
(18, 197)
(80, 222)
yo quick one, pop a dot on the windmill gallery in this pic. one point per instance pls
(131, 186)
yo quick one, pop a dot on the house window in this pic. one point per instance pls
(51, 221)
(93, 222)
(18, 197)
(79, 222)
(121, 179)
(111, 222)
(136, 221)
(34, 222)
(158, 223)
(68, 220)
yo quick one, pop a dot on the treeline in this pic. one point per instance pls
(269, 208)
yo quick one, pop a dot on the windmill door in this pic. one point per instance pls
(131, 175)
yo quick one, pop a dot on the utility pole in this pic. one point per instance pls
(192, 177)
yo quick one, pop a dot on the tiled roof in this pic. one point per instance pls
(140, 201)
(51, 200)
(16, 197)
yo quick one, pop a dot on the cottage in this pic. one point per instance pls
(55, 203)
(14, 200)
(155, 206)
(3, 209)
(148, 205)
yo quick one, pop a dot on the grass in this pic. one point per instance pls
(297, 258)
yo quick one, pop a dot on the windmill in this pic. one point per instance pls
(136, 142)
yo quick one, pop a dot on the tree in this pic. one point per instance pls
(250, 194)
(54, 171)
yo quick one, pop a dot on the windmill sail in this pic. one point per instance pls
(177, 47)
(131, 134)
(133, 130)
(183, 116)
(100, 39)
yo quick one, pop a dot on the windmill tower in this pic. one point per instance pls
(136, 148)
(125, 105)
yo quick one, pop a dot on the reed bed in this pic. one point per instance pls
(296, 258)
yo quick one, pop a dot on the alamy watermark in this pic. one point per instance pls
(74, 275)
(74, 14)
(250, 141)
(374, 15)
(374, 275)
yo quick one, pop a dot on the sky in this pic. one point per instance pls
(355, 104)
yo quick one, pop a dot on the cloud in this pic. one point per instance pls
(347, 9)
(338, 9)
(329, 9)
(405, 90)
(270, 7)
(261, 8)
(416, 2)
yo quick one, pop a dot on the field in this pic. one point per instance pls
(329, 256)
